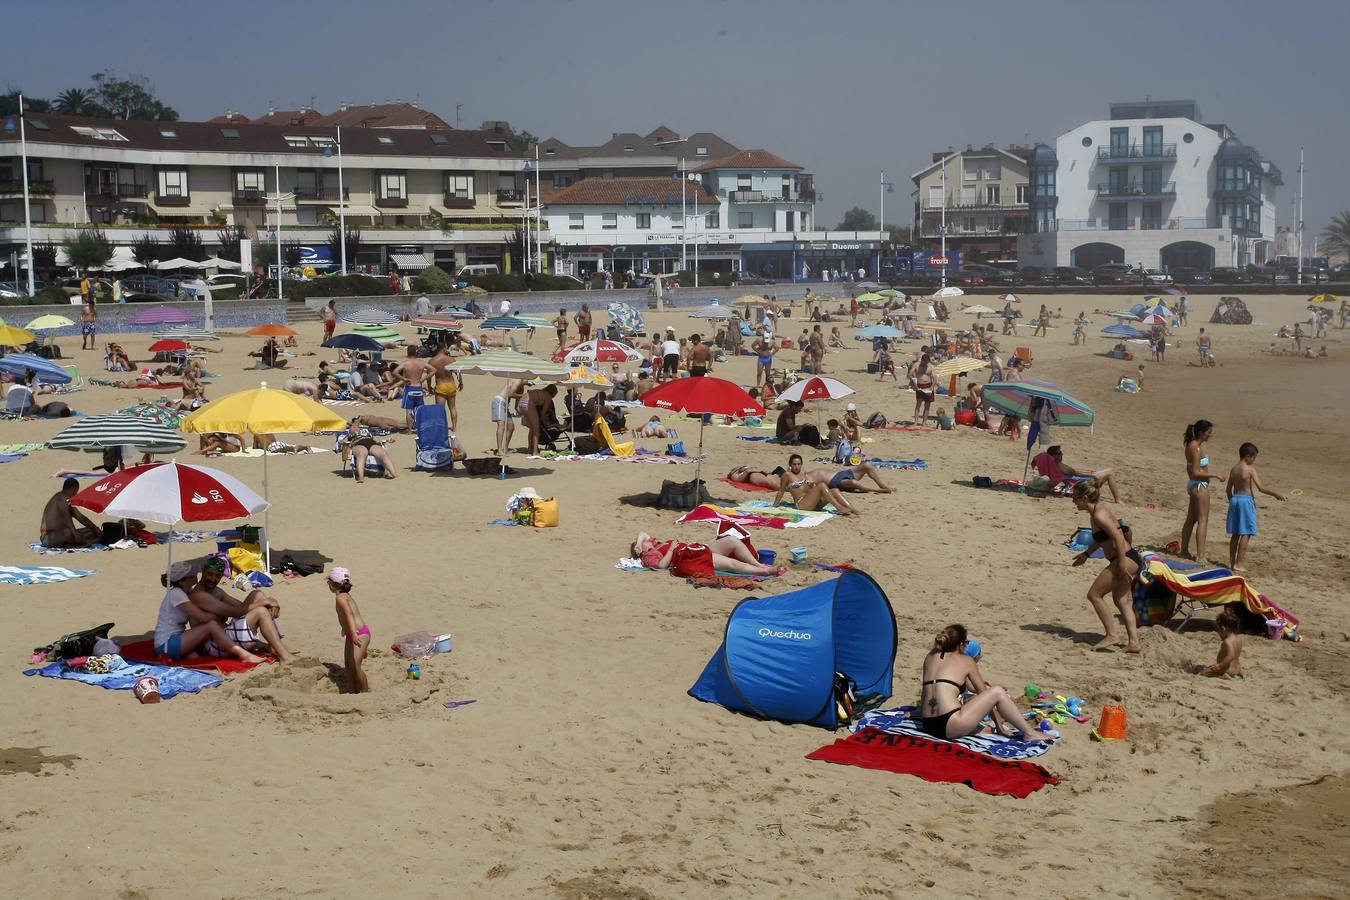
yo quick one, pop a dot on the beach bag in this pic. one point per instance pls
(113, 532)
(545, 513)
(246, 558)
(965, 417)
(675, 449)
(875, 420)
(682, 495)
(585, 444)
(78, 643)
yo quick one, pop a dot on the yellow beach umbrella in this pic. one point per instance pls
(959, 365)
(1325, 298)
(14, 337)
(263, 410)
(44, 323)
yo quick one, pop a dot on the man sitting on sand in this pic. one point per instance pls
(1051, 464)
(248, 622)
(58, 521)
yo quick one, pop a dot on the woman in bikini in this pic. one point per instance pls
(946, 672)
(1112, 535)
(807, 494)
(1197, 489)
(751, 475)
(924, 388)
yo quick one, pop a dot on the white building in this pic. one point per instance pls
(1151, 185)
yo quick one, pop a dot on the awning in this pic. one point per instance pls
(355, 209)
(182, 210)
(409, 260)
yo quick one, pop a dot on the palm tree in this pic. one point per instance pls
(1336, 236)
(74, 102)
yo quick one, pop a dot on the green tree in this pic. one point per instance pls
(79, 102)
(353, 242)
(229, 238)
(1336, 235)
(433, 280)
(45, 255)
(9, 103)
(88, 249)
(132, 97)
(523, 141)
(145, 249)
(857, 219)
(187, 243)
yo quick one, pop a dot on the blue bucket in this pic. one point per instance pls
(767, 557)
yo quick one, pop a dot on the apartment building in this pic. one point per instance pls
(1152, 185)
(983, 194)
(450, 197)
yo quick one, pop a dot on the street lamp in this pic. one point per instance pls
(342, 201)
(27, 210)
(525, 214)
(279, 197)
(887, 187)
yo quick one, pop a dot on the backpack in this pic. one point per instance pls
(847, 454)
(875, 420)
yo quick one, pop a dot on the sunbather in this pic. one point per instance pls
(850, 479)
(182, 627)
(726, 554)
(219, 442)
(752, 475)
(271, 444)
(947, 715)
(358, 443)
(808, 494)
(117, 359)
(58, 528)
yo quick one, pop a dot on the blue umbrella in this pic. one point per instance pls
(503, 323)
(47, 371)
(880, 331)
(354, 342)
(1122, 331)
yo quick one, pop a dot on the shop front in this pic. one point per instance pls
(840, 257)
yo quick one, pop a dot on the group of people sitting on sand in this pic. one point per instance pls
(814, 489)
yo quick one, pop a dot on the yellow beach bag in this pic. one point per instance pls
(546, 513)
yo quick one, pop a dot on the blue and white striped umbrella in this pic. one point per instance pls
(193, 334)
(47, 371)
(503, 323)
(370, 316)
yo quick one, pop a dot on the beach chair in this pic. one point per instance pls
(18, 402)
(373, 466)
(435, 443)
(76, 380)
(1024, 354)
(601, 432)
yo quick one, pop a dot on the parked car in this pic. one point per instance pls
(1341, 272)
(965, 277)
(1191, 276)
(148, 284)
(1071, 275)
(1230, 275)
(743, 277)
(226, 280)
(1270, 275)
(1155, 276)
(1114, 273)
(72, 285)
(1036, 275)
(12, 289)
(991, 274)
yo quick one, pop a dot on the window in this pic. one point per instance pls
(743, 181)
(627, 148)
(173, 182)
(1022, 193)
(168, 134)
(1152, 216)
(307, 183)
(644, 220)
(992, 192)
(607, 175)
(550, 151)
(1187, 137)
(967, 195)
(935, 196)
(746, 220)
(1044, 181)
(99, 134)
(967, 223)
(993, 223)
(36, 123)
(712, 220)
(788, 220)
(576, 221)
(700, 151)
(1153, 140)
(459, 186)
(230, 134)
(439, 138)
(787, 188)
(1119, 216)
(1120, 143)
(609, 221)
(992, 170)
(562, 181)
(384, 139)
(1152, 179)
(322, 141)
(1120, 180)
(295, 140)
(392, 185)
(970, 169)
(1087, 142)
(249, 180)
(309, 215)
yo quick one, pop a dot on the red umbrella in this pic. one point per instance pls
(168, 346)
(590, 353)
(703, 395)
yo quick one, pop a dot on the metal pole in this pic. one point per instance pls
(882, 224)
(525, 224)
(538, 214)
(684, 221)
(342, 205)
(942, 230)
(27, 212)
(698, 226)
(280, 295)
(1300, 216)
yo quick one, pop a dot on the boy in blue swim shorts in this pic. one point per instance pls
(1243, 482)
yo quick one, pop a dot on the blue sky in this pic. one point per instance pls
(845, 89)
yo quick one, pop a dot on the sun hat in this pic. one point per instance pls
(852, 407)
(339, 574)
(528, 492)
(179, 570)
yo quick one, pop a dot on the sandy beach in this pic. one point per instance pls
(584, 770)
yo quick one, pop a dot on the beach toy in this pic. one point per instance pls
(767, 557)
(414, 672)
(444, 642)
(973, 649)
(1032, 692)
(147, 689)
(798, 554)
(1296, 492)
(1111, 726)
(1150, 505)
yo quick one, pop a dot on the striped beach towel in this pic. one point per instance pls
(40, 574)
(906, 720)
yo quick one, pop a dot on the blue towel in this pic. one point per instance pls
(172, 680)
(763, 438)
(899, 463)
(40, 574)
(906, 720)
(36, 547)
(11, 457)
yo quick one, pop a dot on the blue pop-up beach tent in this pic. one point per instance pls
(780, 654)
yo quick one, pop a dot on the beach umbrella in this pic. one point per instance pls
(714, 310)
(892, 292)
(948, 292)
(14, 337)
(370, 316)
(1122, 331)
(215, 262)
(958, 365)
(1158, 309)
(977, 310)
(816, 387)
(153, 412)
(169, 345)
(1316, 298)
(437, 324)
(1152, 318)
(263, 411)
(48, 322)
(703, 395)
(598, 351)
(1039, 402)
(871, 297)
(273, 329)
(164, 315)
(190, 333)
(1010, 298)
(170, 493)
(880, 331)
(584, 376)
(630, 320)
(503, 323)
(179, 262)
(96, 433)
(751, 300)
(536, 321)
(1124, 315)
(358, 342)
(1176, 291)
(47, 371)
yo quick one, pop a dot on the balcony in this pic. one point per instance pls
(510, 197)
(762, 197)
(173, 199)
(1137, 153)
(116, 191)
(1135, 191)
(1175, 223)
(249, 197)
(957, 203)
(39, 187)
(320, 194)
(452, 200)
(391, 202)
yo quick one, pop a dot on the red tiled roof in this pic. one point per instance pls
(385, 115)
(288, 117)
(630, 192)
(749, 159)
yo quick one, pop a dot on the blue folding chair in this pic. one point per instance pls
(435, 443)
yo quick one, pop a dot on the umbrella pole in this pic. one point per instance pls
(169, 565)
(698, 463)
(1027, 468)
(267, 531)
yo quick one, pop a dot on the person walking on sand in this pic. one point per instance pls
(89, 324)
(764, 350)
(355, 632)
(329, 316)
(1197, 489)
(1204, 345)
(1123, 562)
(1243, 483)
(1042, 322)
(505, 406)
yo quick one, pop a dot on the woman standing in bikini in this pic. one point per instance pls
(946, 672)
(1123, 562)
(924, 388)
(1197, 489)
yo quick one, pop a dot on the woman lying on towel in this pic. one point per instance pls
(752, 475)
(1123, 562)
(725, 555)
(947, 671)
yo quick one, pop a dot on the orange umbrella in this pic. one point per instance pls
(272, 329)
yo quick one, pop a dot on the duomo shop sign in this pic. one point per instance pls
(828, 245)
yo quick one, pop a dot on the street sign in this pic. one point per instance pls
(938, 261)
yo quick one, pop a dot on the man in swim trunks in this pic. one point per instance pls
(505, 407)
(700, 358)
(560, 326)
(850, 479)
(764, 350)
(88, 324)
(58, 521)
(248, 622)
(413, 374)
(329, 316)
(447, 384)
(1205, 346)
(583, 320)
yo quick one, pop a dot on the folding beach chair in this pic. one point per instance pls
(76, 380)
(601, 432)
(1024, 354)
(435, 444)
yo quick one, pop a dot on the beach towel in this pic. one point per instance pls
(1215, 586)
(720, 579)
(796, 518)
(899, 463)
(255, 452)
(36, 547)
(11, 457)
(760, 438)
(343, 402)
(906, 720)
(172, 681)
(20, 448)
(41, 574)
(144, 651)
(936, 761)
(742, 486)
(907, 428)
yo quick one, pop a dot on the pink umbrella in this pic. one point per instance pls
(170, 493)
(591, 353)
(164, 315)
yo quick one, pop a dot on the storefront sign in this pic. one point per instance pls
(701, 236)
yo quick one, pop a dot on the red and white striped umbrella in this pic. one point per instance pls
(817, 387)
(590, 353)
(170, 493)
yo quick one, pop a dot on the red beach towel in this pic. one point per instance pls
(744, 486)
(144, 651)
(937, 761)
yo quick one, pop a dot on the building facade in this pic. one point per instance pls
(426, 195)
(985, 193)
(1153, 186)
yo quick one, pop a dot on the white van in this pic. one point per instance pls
(481, 269)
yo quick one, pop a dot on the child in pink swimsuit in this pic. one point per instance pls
(354, 629)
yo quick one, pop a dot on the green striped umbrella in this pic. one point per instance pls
(1015, 398)
(378, 332)
(95, 433)
(510, 364)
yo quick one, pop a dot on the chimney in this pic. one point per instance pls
(970, 148)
